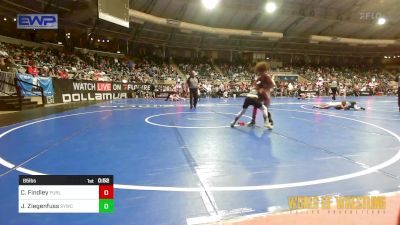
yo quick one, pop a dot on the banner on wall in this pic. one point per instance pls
(365, 93)
(286, 77)
(76, 91)
(27, 83)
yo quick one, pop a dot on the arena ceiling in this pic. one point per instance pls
(296, 19)
(347, 18)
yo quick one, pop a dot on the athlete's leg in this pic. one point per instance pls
(240, 114)
(267, 124)
(322, 106)
(270, 118)
(253, 117)
(247, 102)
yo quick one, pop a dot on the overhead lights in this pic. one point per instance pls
(381, 21)
(5, 19)
(60, 43)
(15, 19)
(385, 57)
(210, 4)
(270, 7)
(118, 52)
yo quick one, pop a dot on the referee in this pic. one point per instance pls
(193, 84)
(334, 88)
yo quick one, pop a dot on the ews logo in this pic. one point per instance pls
(37, 21)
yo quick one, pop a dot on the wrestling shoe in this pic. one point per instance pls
(251, 123)
(268, 125)
(234, 122)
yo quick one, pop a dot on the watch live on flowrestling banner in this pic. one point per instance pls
(75, 91)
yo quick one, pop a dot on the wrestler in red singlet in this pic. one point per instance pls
(263, 85)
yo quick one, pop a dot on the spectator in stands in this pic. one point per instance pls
(63, 74)
(3, 66)
(44, 72)
(32, 69)
(221, 90)
(51, 72)
(3, 52)
(10, 64)
(3, 56)
(290, 89)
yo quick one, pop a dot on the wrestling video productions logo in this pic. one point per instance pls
(337, 204)
(37, 21)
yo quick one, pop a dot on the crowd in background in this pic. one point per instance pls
(47, 62)
(216, 79)
(351, 80)
(237, 78)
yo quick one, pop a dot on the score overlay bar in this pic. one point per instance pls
(66, 194)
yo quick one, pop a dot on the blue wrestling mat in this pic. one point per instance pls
(173, 165)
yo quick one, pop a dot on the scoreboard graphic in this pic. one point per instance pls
(66, 194)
